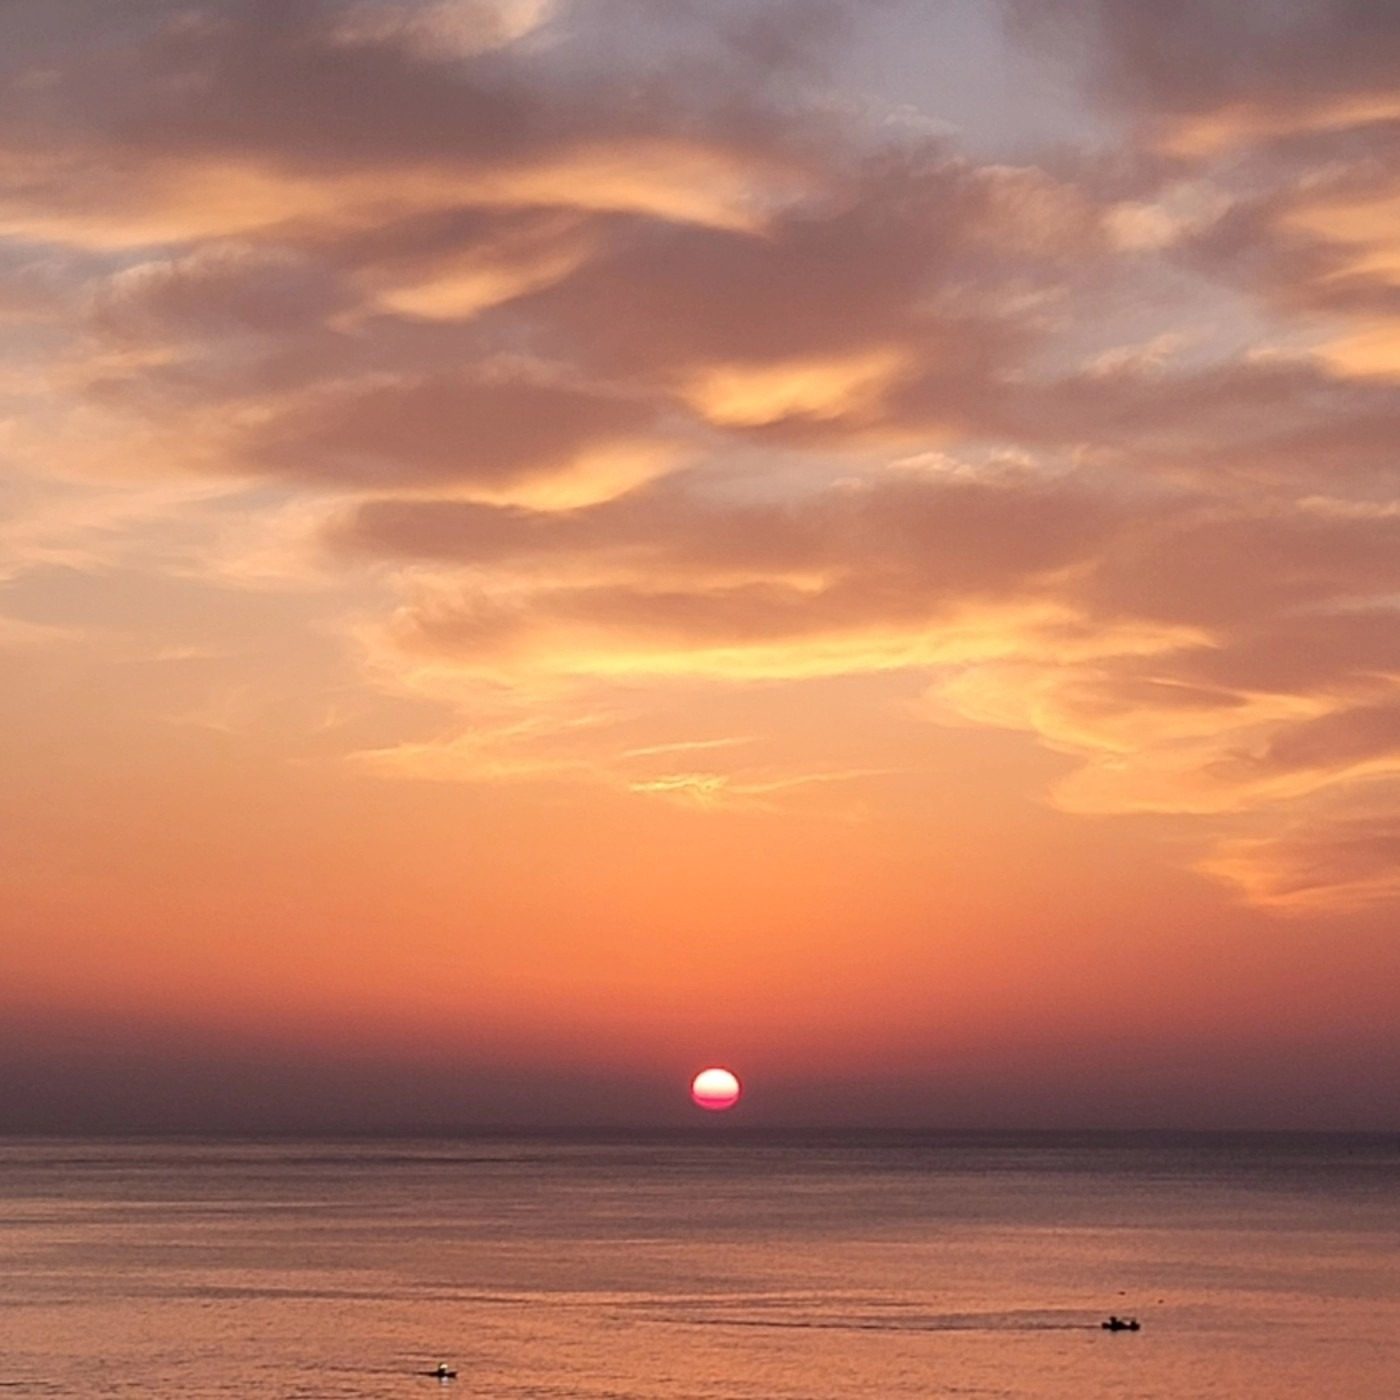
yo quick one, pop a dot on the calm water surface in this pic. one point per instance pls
(718, 1268)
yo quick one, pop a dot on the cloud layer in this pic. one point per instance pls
(622, 378)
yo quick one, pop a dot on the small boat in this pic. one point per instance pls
(442, 1371)
(1121, 1324)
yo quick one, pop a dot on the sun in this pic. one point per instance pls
(716, 1089)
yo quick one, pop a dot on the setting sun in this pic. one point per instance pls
(715, 1089)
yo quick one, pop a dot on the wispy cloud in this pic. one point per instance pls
(581, 388)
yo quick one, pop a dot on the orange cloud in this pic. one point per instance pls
(1238, 124)
(752, 396)
(565, 395)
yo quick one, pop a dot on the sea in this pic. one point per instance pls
(722, 1266)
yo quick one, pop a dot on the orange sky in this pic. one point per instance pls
(543, 545)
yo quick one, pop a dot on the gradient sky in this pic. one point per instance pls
(545, 545)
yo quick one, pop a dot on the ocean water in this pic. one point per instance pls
(719, 1267)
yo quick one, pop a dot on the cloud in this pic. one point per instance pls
(218, 287)
(1361, 739)
(953, 535)
(1194, 660)
(1323, 864)
(440, 28)
(913, 266)
(1288, 111)
(1253, 70)
(489, 433)
(220, 121)
(608, 364)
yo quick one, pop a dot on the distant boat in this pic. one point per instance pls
(1121, 1324)
(443, 1372)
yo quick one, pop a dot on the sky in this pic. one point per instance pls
(545, 544)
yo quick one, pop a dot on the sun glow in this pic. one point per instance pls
(715, 1089)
